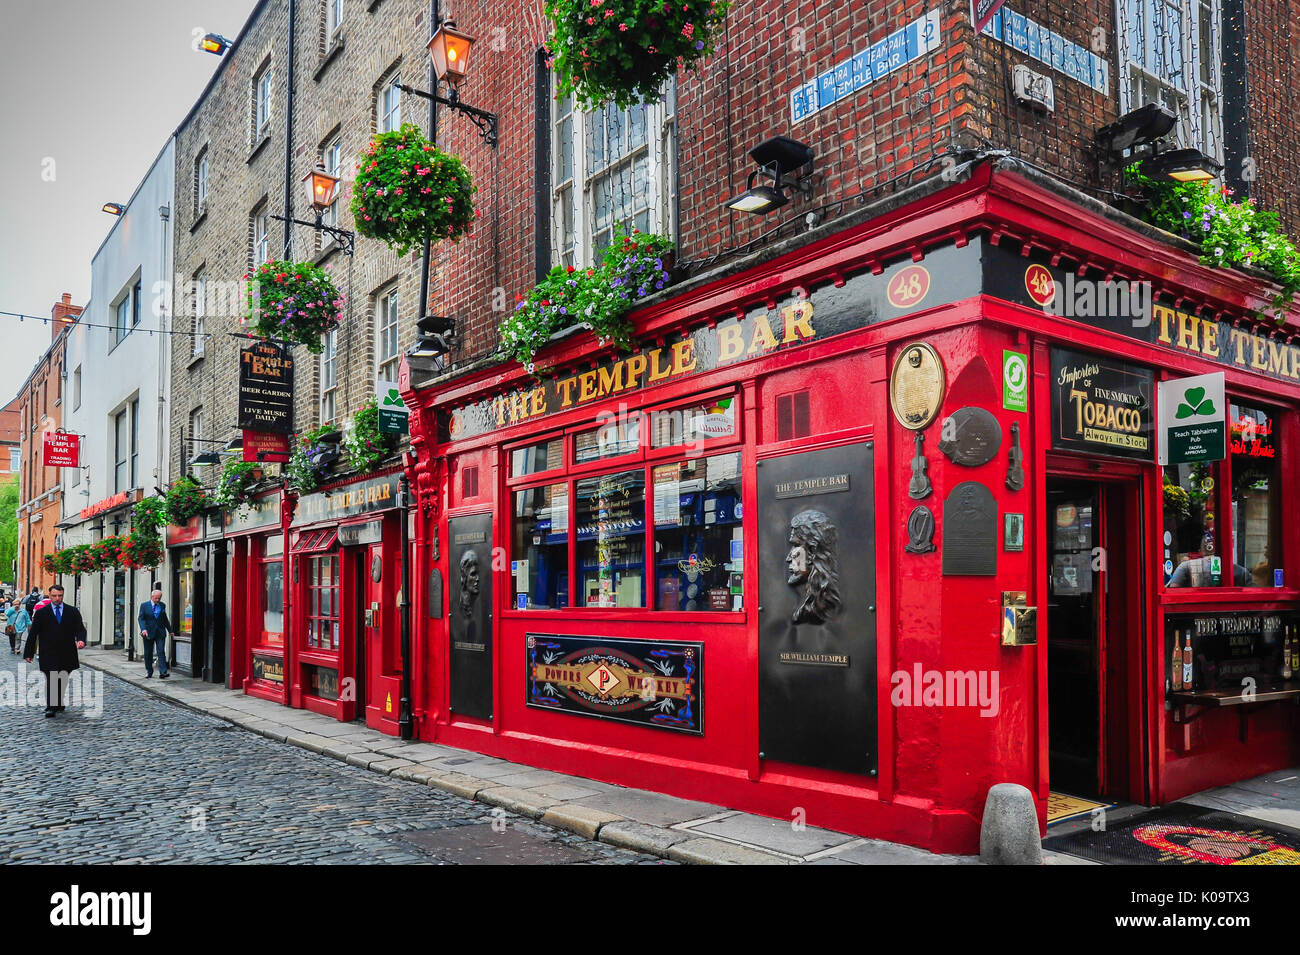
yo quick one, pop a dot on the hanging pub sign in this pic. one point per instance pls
(266, 446)
(1101, 405)
(1193, 425)
(265, 388)
(646, 682)
(393, 413)
(61, 450)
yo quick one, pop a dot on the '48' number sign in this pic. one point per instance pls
(908, 288)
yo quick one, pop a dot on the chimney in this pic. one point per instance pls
(64, 313)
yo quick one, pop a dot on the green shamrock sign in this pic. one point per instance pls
(1194, 403)
(394, 399)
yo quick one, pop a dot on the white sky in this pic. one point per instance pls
(97, 86)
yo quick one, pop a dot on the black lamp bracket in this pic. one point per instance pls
(485, 121)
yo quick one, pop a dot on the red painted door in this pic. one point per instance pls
(374, 618)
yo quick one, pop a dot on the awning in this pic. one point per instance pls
(313, 542)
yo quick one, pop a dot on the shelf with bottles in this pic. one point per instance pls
(1229, 657)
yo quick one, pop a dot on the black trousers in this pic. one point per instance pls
(56, 689)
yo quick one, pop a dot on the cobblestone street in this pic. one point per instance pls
(147, 781)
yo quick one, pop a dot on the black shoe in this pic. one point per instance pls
(49, 713)
(148, 676)
(163, 676)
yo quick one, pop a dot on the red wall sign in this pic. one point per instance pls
(264, 446)
(107, 504)
(62, 450)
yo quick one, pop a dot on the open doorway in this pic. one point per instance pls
(1095, 686)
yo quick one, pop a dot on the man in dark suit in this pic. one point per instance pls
(154, 627)
(60, 633)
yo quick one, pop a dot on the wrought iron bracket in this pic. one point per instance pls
(485, 121)
(346, 239)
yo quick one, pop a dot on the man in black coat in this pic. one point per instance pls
(154, 627)
(60, 633)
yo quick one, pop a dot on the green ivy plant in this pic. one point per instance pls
(598, 299)
(1229, 233)
(234, 486)
(185, 499)
(624, 50)
(294, 300)
(363, 443)
(408, 190)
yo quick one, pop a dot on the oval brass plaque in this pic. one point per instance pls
(916, 385)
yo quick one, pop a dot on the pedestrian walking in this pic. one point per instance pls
(60, 633)
(32, 600)
(19, 621)
(154, 627)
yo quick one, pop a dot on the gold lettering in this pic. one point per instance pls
(539, 401)
(611, 379)
(565, 385)
(1279, 358)
(1258, 354)
(1238, 338)
(1166, 316)
(1210, 339)
(657, 373)
(798, 318)
(763, 339)
(635, 369)
(1187, 332)
(586, 386)
(731, 343)
(684, 356)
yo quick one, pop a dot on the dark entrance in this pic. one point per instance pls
(1094, 627)
(360, 626)
(469, 621)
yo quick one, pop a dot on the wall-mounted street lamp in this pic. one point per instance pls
(778, 159)
(449, 50)
(113, 208)
(1140, 136)
(215, 43)
(321, 188)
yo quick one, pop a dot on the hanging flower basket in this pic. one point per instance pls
(408, 190)
(624, 50)
(363, 443)
(185, 499)
(599, 299)
(234, 486)
(49, 564)
(294, 300)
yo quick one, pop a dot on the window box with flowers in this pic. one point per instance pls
(235, 485)
(408, 191)
(624, 50)
(599, 299)
(1230, 234)
(185, 499)
(311, 458)
(294, 300)
(364, 445)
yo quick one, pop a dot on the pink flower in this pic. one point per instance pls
(399, 190)
(622, 27)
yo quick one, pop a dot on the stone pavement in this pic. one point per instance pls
(643, 822)
(144, 781)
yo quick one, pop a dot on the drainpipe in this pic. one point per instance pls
(405, 721)
(288, 139)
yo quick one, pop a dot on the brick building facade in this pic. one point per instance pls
(39, 489)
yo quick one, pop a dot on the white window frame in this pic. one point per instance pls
(1198, 105)
(201, 183)
(331, 158)
(329, 378)
(76, 388)
(200, 311)
(333, 17)
(261, 238)
(581, 188)
(388, 108)
(122, 318)
(262, 93)
(121, 452)
(194, 436)
(387, 326)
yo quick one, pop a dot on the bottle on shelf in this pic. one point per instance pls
(1187, 663)
(1288, 646)
(1295, 652)
(1176, 665)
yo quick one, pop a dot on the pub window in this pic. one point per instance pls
(1256, 492)
(610, 552)
(535, 458)
(323, 602)
(618, 436)
(1192, 525)
(692, 423)
(697, 536)
(272, 572)
(541, 539)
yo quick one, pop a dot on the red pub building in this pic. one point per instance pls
(872, 515)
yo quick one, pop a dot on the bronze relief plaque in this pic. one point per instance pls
(916, 385)
(470, 616)
(970, 532)
(970, 437)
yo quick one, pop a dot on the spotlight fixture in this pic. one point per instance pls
(778, 159)
(215, 43)
(436, 333)
(1141, 127)
(114, 208)
(1182, 165)
(204, 459)
(236, 443)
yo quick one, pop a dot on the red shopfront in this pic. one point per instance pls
(345, 583)
(765, 559)
(260, 656)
